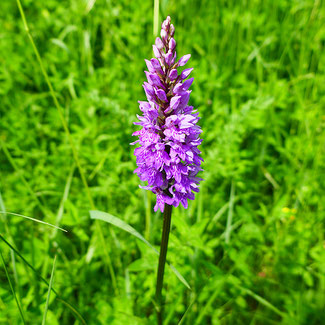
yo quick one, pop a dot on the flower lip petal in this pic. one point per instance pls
(144, 106)
(187, 121)
(170, 120)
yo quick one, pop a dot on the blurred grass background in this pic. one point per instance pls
(251, 245)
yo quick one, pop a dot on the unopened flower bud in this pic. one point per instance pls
(172, 30)
(169, 57)
(159, 43)
(166, 24)
(164, 35)
(156, 51)
(172, 44)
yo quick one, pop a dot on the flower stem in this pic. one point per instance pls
(162, 261)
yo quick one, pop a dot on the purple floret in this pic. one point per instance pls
(168, 157)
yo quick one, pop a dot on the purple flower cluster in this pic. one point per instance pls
(168, 158)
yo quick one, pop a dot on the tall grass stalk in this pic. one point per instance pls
(148, 193)
(13, 291)
(57, 105)
(44, 281)
(12, 254)
(73, 148)
(155, 17)
(49, 292)
(230, 212)
(23, 179)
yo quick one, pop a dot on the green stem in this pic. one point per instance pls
(162, 262)
(155, 18)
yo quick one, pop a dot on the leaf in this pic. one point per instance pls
(261, 300)
(90, 4)
(120, 224)
(141, 265)
(99, 215)
(60, 44)
(49, 292)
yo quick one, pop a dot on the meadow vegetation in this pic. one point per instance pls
(251, 246)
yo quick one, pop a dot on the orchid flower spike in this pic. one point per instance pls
(168, 157)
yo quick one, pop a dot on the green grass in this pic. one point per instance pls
(251, 246)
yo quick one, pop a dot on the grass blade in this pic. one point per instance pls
(262, 301)
(12, 254)
(21, 175)
(230, 212)
(49, 292)
(104, 216)
(13, 290)
(99, 215)
(59, 214)
(186, 312)
(33, 219)
(77, 314)
(180, 277)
